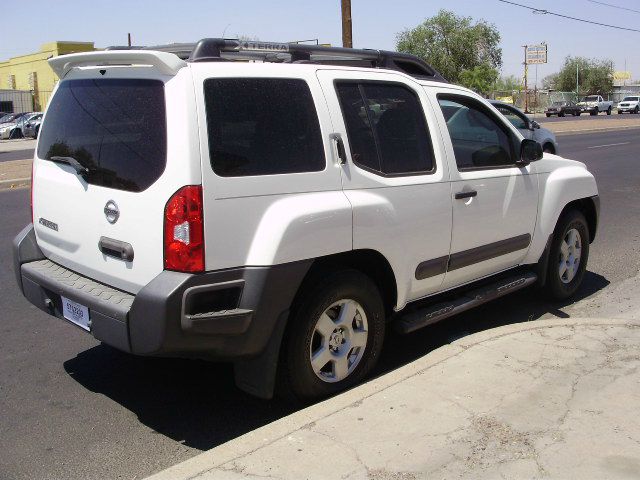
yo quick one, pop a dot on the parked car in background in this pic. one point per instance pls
(15, 128)
(594, 104)
(9, 118)
(529, 128)
(562, 108)
(32, 127)
(629, 104)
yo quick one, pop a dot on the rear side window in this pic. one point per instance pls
(114, 127)
(386, 127)
(262, 126)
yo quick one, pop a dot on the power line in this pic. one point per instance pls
(547, 12)
(614, 6)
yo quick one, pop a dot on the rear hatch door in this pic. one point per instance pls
(106, 166)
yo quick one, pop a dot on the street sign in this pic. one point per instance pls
(536, 54)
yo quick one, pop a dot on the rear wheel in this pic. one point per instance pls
(334, 338)
(548, 148)
(609, 111)
(635, 110)
(561, 114)
(568, 256)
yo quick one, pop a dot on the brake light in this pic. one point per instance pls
(184, 231)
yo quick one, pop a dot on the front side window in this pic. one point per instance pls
(479, 141)
(262, 126)
(386, 127)
(513, 117)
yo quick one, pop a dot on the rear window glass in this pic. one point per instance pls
(116, 128)
(262, 126)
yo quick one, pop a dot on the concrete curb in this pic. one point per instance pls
(279, 429)
(591, 130)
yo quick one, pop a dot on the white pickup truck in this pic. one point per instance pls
(595, 104)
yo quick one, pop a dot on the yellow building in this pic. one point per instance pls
(32, 72)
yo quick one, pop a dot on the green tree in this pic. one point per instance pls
(594, 76)
(453, 44)
(508, 84)
(480, 78)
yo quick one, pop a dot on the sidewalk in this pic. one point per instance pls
(548, 398)
(568, 127)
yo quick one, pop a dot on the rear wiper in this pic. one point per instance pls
(77, 166)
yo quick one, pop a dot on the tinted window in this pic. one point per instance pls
(479, 141)
(114, 127)
(515, 119)
(262, 126)
(386, 128)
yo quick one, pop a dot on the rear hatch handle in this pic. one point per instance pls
(77, 166)
(116, 248)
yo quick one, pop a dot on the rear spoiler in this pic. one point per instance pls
(166, 63)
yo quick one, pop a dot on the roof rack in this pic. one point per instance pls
(221, 49)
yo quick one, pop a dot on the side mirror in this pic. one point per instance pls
(534, 124)
(530, 151)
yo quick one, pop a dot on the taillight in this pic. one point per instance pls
(184, 231)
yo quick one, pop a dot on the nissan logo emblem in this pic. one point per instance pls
(111, 211)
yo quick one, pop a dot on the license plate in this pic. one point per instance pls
(76, 313)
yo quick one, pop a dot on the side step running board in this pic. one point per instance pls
(422, 317)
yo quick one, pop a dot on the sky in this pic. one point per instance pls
(375, 25)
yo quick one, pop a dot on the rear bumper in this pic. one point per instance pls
(228, 314)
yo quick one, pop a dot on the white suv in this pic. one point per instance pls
(282, 212)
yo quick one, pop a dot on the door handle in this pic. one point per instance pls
(469, 194)
(342, 154)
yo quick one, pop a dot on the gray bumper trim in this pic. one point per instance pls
(96, 296)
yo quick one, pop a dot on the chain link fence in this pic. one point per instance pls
(539, 100)
(19, 101)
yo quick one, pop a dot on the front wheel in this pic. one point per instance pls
(561, 114)
(568, 256)
(334, 337)
(636, 110)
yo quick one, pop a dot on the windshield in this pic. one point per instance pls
(114, 127)
(558, 104)
(8, 118)
(590, 99)
(630, 99)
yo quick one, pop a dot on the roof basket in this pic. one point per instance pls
(220, 49)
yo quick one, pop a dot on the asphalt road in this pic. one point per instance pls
(16, 155)
(75, 409)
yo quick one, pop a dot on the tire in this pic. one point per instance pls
(619, 112)
(594, 112)
(35, 133)
(15, 133)
(561, 114)
(562, 285)
(576, 114)
(548, 148)
(609, 111)
(320, 307)
(579, 113)
(636, 110)
(548, 115)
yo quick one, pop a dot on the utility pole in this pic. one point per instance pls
(526, 71)
(347, 40)
(129, 39)
(577, 84)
